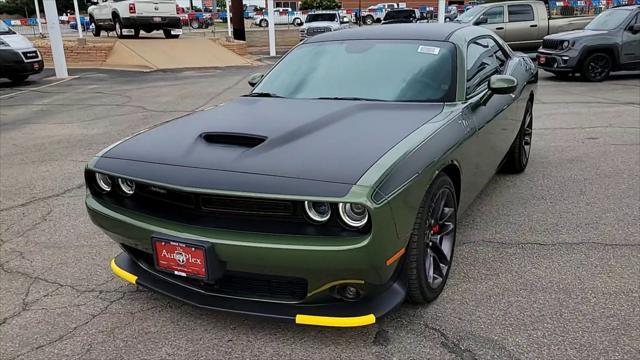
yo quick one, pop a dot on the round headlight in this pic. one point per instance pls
(103, 181)
(565, 44)
(318, 211)
(127, 186)
(353, 215)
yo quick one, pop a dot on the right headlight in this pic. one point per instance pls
(566, 44)
(353, 215)
(4, 44)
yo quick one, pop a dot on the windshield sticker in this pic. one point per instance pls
(428, 50)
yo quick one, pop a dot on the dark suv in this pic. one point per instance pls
(611, 42)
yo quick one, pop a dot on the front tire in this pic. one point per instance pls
(297, 22)
(17, 79)
(431, 245)
(96, 29)
(517, 158)
(368, 20)
(596, 67)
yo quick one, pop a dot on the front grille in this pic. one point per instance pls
(317, 30)
(247, 214)
(233, 205)
(552, 44)
(241, 284)
(30, 55)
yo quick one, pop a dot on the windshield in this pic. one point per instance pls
(608, 20)
(469, 14)
(383, 70)
(321, 17)
(401, 14)
(4, 29)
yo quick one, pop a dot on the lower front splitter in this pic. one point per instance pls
(339, 314)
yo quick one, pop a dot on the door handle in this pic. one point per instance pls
(533, 25)
(500, 28)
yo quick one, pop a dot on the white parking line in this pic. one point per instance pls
(37, 88)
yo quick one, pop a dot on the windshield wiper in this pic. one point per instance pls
(263, 94)
(346, 98)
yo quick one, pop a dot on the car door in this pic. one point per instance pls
(497, 121)
(521, 27)
(631, 44)
(493, 19)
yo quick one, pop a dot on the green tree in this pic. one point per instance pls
(320, 5)
(24, 7)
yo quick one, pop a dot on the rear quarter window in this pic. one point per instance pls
(518, 13)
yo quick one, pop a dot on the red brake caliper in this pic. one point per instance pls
(435, 229)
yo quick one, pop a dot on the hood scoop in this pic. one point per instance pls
(233, 139)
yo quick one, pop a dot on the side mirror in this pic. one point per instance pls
(255, 79)
(634, 28)
(503, 84)
(481, 20)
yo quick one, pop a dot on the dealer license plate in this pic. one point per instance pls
(176, 31)
(157, 19)
(180, 259)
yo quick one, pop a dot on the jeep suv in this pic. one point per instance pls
(611, 42)
(128, 17)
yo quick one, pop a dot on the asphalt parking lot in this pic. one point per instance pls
(547, 263)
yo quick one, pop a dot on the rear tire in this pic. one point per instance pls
(368, 20)
(263, 23)
(297, 22)
(118, 28)
(596, 67)
(517, 158)
(431, 245)
(169, 35)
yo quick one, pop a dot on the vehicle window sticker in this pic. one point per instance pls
(428, 50)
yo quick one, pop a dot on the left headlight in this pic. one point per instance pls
(3, 44)
(353, 215)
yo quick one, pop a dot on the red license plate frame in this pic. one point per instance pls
(180, 258)
(542, 59)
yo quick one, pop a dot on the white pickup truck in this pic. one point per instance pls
(323, 21)
(128, 17)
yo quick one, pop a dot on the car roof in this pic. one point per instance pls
(436, 32)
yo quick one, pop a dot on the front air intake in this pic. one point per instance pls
(244, 140)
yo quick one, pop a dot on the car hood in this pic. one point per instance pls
(575, 34)
(17, 42)
(321, 140)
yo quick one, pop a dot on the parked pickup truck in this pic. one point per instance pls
(323, 21)
(611, 42)
(522, 24)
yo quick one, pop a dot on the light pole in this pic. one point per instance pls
(78, 24)
(55, 38)
(38, 17)
(441, 5)
(272, 28)
(228, 18)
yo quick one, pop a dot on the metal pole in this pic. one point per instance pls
(441, 6)
(272, 28)
(228, 19)
(359, 12)
(78, 24)
(55, 37)
(38, 17)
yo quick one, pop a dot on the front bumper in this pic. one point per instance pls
(561, 61)
(148, 22)
(12, 63)
(337, 314)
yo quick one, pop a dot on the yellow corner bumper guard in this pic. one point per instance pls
(123, 274)
(335, 321)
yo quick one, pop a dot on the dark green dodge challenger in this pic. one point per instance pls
(330, 193)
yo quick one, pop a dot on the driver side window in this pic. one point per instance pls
(485, 58)
(495, 15)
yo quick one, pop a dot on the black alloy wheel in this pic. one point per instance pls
(431, 246)
(596, 67)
